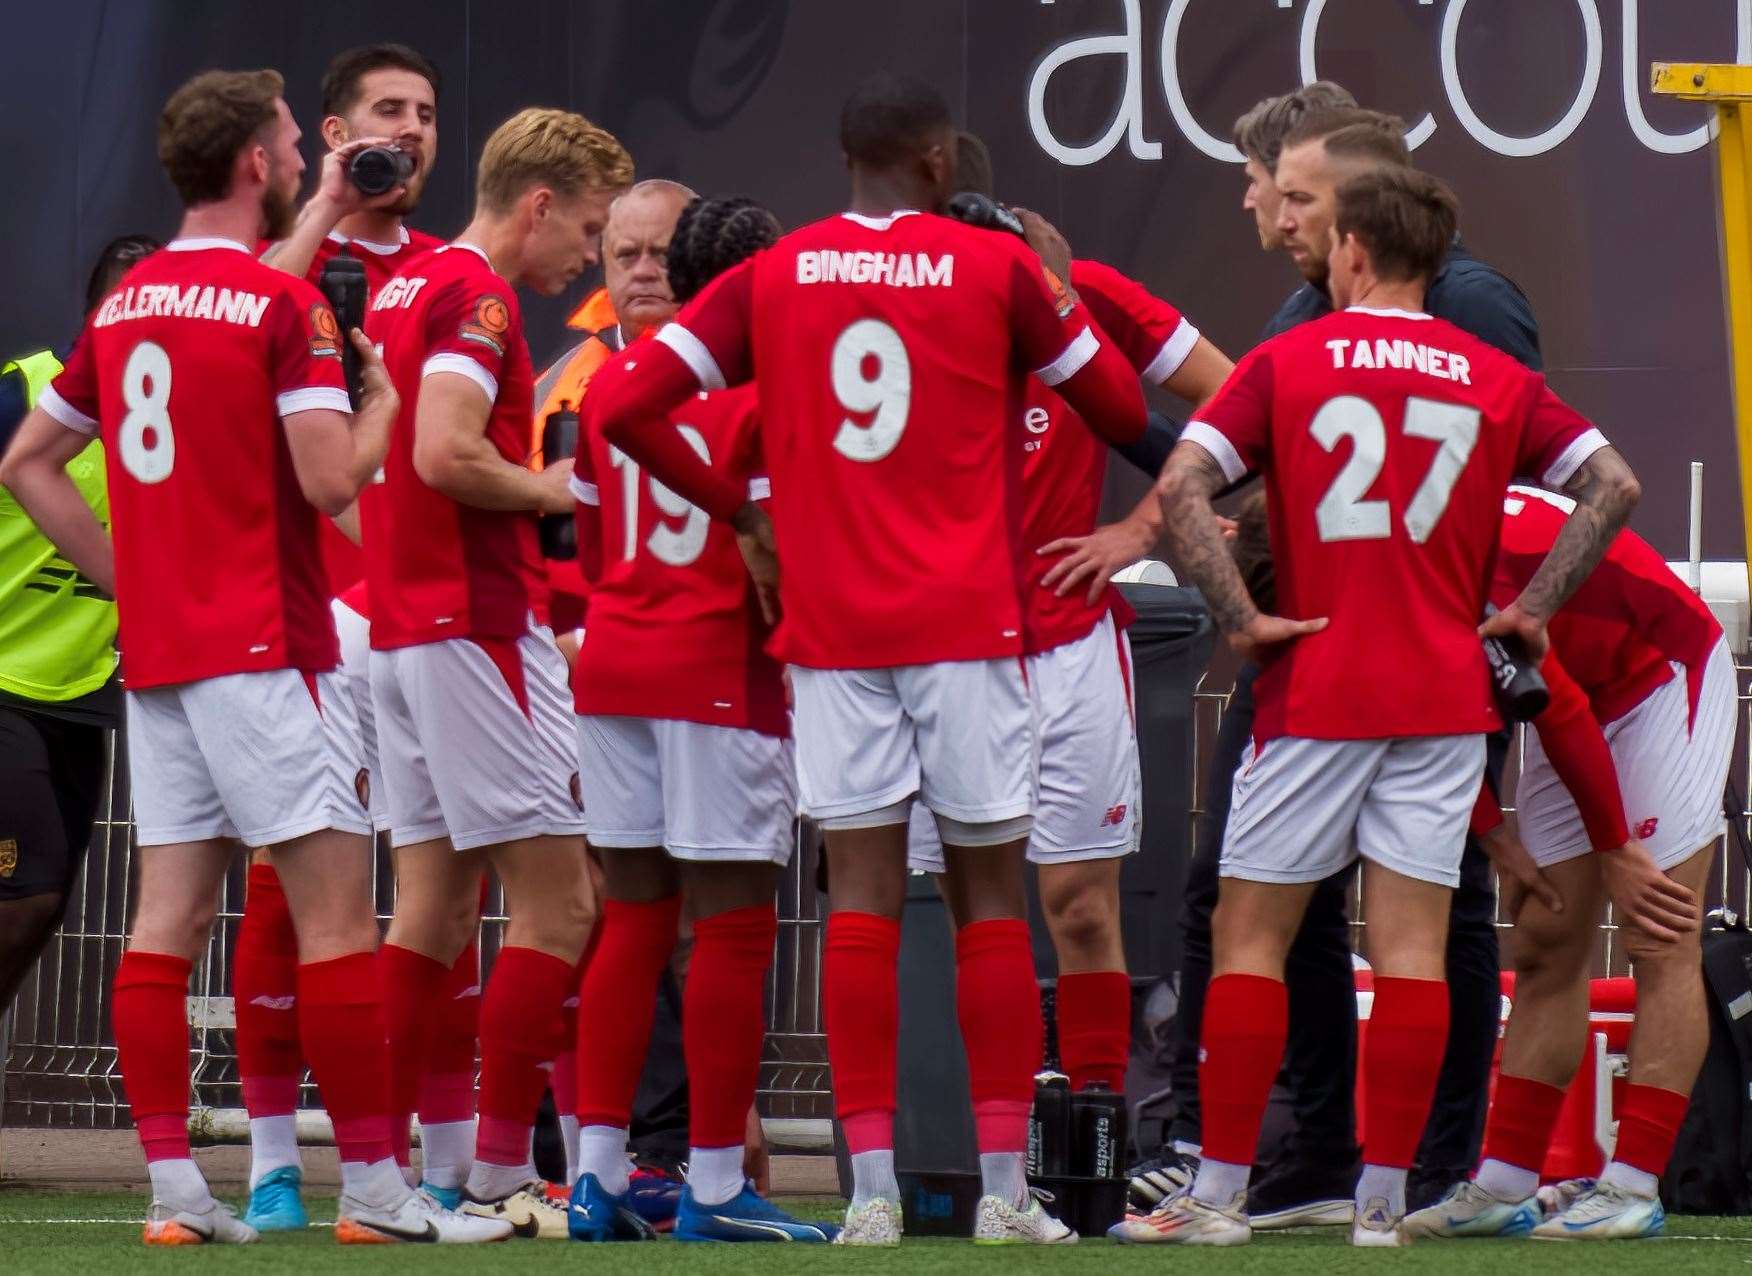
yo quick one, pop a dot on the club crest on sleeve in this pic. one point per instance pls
(488, 323)
(325, 333)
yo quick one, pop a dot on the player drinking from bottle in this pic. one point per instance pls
(372, 95)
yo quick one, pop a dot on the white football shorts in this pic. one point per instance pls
(263, 757)
(477, 747)
(354, 631)
(706, 793)
(1089, 776)
(961, 735)
(1672, 770)
(1303, 809)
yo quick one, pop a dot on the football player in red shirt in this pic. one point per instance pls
(891, 348)
(1629, 760)
(1079, 666)
(473, 715)
(207, 371)
(684, 748)
(371, 95)
(1387, 439)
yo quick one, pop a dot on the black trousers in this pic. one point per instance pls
(1320, 1057)
(51, 779)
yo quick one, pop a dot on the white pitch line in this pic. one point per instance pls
(21, 1222)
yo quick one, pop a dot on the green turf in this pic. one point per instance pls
(33, 1239)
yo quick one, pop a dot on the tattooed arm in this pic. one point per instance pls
(1605, 491)
(1195, 541)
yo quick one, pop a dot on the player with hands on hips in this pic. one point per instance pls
(1386, 438)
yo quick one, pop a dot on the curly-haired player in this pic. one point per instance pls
(684, 747)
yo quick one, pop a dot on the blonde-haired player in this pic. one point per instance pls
(473, 712)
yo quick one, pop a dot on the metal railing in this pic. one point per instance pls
(61, 1068)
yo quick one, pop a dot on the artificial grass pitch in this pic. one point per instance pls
(75, 1233)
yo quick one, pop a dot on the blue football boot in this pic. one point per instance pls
(595, 1215)
(276, 1203)
(747, 1216)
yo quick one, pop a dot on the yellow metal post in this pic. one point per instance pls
(1729, 89)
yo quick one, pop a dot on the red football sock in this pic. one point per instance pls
(563, 1079)
(150, 1017)
(997, 1002)
(1523, 1114)
(348, 1051)
(264, 989)
(413, 988)
(860, 1004)
(447, 1086)
(723, 1021)
(520, 1032)
(1648, 1123)
(1408, 1035)
(1094, 1028)
(1241, 1047)
(616, 1003)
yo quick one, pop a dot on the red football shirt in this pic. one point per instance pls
(1622, 631)
(343, 560)
(437, 568)
(892, 356)
(1064, 463)
(1387, 440)
(188, 368)
(673, 629)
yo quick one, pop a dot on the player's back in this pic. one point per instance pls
(1064, 464)
(891, 416)
(1618, 632)
(1392, 437)
(193, 361)
(438, 568)
(673, 627)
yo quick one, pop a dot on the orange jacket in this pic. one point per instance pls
(562, 384)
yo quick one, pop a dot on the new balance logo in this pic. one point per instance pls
(1646, 829)
(1115, 816)
(273, 1003)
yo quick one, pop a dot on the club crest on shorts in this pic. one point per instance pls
(362, 786)
(8, 856)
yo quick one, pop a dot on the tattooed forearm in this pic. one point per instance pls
(1194, 539)
(1605, 491)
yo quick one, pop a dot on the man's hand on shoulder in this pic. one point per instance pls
(1054, 250)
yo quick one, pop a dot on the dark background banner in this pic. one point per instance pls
(1110, 116)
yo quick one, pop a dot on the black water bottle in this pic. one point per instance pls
(377, 170)
(985, 212)
(1049, 1128)
(1097, 1134)
(1515, 680)
(343, 283)
(559, 440)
